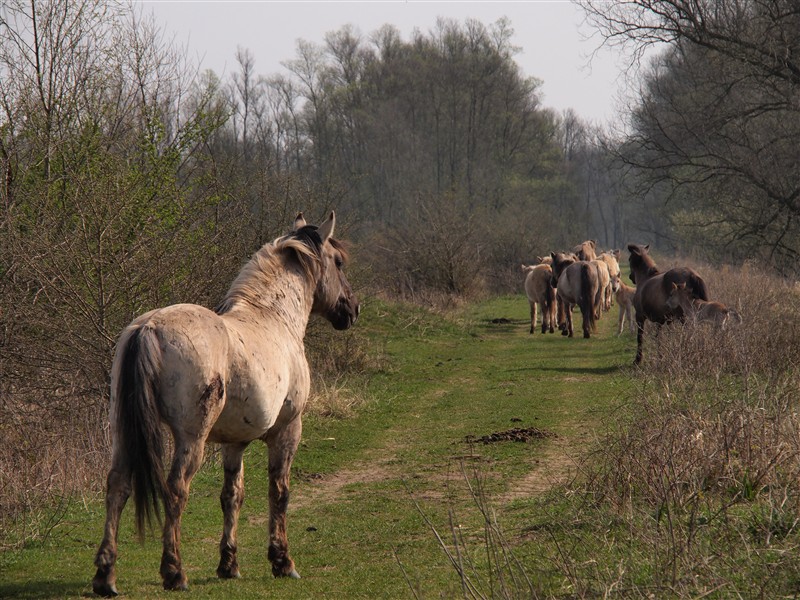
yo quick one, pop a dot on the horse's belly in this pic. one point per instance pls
(245, 419)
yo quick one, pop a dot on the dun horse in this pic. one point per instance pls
(576, 284)
(229, 376)
(586, 250)
(540, 292)
(653, 288)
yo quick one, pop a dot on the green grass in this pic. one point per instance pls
(353, 517)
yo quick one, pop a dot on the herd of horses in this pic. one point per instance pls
(588, 280)
(239, 373)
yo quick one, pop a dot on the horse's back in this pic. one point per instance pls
(578, 279)
(689, 277)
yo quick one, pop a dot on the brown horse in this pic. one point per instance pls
(701, 310)
(653, 288)
(540, 292)
(576, 284)
(230, 376)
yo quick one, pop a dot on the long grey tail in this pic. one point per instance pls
(138, 424)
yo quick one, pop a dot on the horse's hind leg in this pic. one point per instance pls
(533, 314)
(282, 447)
(188, 458)
(231, 500)
(118, 489)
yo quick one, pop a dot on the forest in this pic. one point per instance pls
(131, 180)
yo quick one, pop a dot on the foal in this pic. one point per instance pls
(540, 292)
(624, 297)
(701, 310)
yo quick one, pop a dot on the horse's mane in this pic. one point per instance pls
(304, 245)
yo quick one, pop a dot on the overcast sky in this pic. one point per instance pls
(556, 46)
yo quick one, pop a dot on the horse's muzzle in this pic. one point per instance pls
(345, 315)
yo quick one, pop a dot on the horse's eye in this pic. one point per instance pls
(339, 262)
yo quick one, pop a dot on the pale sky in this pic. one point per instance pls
(551, 34)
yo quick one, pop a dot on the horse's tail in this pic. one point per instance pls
(137, 423)
(587, 297)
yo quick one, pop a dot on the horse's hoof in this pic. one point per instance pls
(176, 583)
(229, 573)
(106, 590)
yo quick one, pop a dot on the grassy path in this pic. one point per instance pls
(361, 486)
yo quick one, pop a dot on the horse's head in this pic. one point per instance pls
(333, 297)
(561, 260)
(641, 262)
(615, 281)
(680, 298)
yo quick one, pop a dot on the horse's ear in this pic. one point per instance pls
(299, 221)
(615, 253)
(553, 255)
(673, 287)
(634, 249)
(325, 230)
(593, 243)
(647, 247)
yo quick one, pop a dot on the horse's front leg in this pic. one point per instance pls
(118, 490)
(639, 338)
(282, 445)
(231, 499)
(188, 458)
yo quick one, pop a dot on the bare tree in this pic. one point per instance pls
(718, 114)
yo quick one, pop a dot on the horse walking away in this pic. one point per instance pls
(586, 250)
(611, 258)
(603, 287)
(576, 283)
(653, 288)
(700, 310)
(540, 292)
(230, 376)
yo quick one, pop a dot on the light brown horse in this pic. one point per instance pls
(611, 258)
(586, 250)
(701, 310)
(576, 284)
(229, 376)
(624, 296)
(653, 288)
(601, 302)
(540, 292)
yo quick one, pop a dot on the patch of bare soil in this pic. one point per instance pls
(517, 434)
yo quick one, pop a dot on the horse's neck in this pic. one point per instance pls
(644, 272)
(283, 297)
